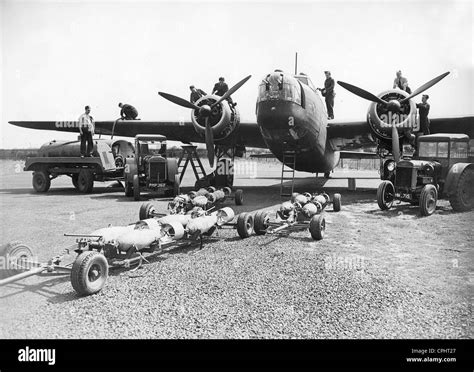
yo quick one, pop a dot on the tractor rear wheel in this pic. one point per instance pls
(176, 185)
(128, 188)
(136, 187)
(261, 222)
(462, 199)
(245, 225)
(317, 226)
(89, 273)
(385, 195)
(428, 199)
(41, 181)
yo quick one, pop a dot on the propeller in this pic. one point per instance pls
(395, 143)
(425, 86)
(362, 93)
(205, 111)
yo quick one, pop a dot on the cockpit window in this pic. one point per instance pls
(285, 91)
(306, 80)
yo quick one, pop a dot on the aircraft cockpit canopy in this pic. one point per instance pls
(279, 86)
(303, 78)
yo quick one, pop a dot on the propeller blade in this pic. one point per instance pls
(395, 144)
(179, 101)
(232, 90)
(362, 93)
(425, 86)
(209, 143)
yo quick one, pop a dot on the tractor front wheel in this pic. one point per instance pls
(385, 195)
(428, 199)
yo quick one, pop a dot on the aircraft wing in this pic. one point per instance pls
(247, 134)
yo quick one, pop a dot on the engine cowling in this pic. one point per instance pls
(224, 118)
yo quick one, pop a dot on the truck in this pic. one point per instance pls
(151, 170)
(443, 167)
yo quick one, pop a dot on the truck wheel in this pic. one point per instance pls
(41, 181)
(14, 254)
(136, 187)
(128, 188)
(146, 211)
(74, 179)
(385, 195)
(245, 225)
(176, 185)
(317, 227)
(336, 202)
(239, 197)
(462, 199)
(261, 222)
(428, 199)
(89, 273)
(85, 181)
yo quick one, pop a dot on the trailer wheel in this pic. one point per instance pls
(89, 273)
(385, 195)
(146, 211)
(239, 197)
(128, 188)
(261, 222)
(41, 181)
(136, 187)
(85, 181)
(74, 178)
(245, 225)
(317, 227)
(462, 199)
(176, 185)
(14, 254)
(428, 199)
(336, 202)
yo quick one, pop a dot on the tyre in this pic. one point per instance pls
(239, 197)
(41, 181)
(245, 225)
(74, 178)
(336, 202)
(128, 188)
(136, 187)
(146, 211)
(176, 185)
(317, 227)
(428, 199)
(462, 197)
(15, 254)
(89, 273)
(85, 181)
(261, 222)
(385, 195)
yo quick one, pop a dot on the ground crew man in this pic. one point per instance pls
(86, 129)
(128, 112)
(220, 88)
(196, 94)
(423, 111)
(328, 94)
(401, 83)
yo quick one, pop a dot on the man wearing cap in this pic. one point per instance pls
(86, 129)
(423, 111)
(128, 112)
(196, 94)
(401, 83)
(220, 88)
(328, 94)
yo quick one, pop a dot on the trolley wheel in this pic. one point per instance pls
(211, 189)
(85, 181)
(245, 225)
(89, 273)
(41, 181)
(146, 211)
(239, 197)
(385, 195)
(428, 199)
(317, 227)
(336, 202)
(136, 187)
(15, 255)
(261, 222)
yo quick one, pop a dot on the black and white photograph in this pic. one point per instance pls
(237, 170)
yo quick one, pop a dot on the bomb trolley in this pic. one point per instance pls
(302, 212)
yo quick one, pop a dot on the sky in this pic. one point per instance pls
(58, 56)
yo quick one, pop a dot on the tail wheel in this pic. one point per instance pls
(245, 225)
(317, 227)
(89, 273)
(385, 195)
(146, 211)
(336, 202)
(462, 199)
(41, 181)
(136, 187)
(239, 197)
(16, 257)
(261, 222)
(85, 181)
(428, 199)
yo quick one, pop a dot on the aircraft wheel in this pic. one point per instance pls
(385, 195)
(245, 225)
(89, 273)
(146, 211)
(41, 181)
(462, 199)
(136, 187)
(336, 202)
(428, 199)
(261, 222)
(15, 255)
(317, 227)
(239, 197)
(85, 181)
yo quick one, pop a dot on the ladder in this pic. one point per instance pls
(288, 172)
(189, 155)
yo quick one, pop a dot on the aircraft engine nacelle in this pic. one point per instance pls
(381, 117)
(224, 118)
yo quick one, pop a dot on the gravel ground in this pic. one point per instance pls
(375, 275)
